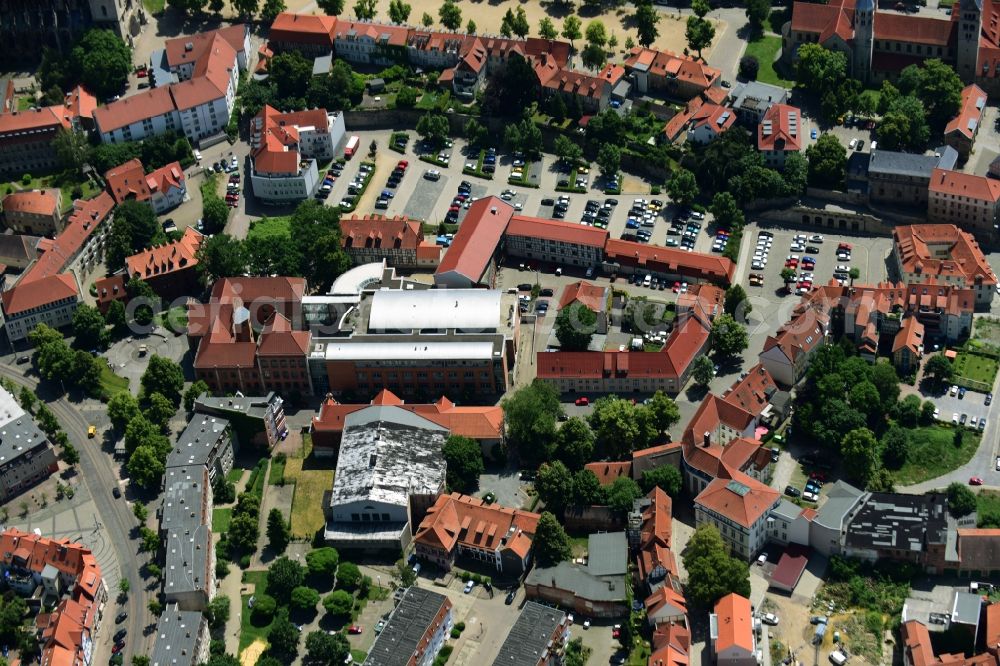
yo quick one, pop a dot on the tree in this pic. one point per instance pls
(348, 576)
(140, 660)
(749, 66)
(927, 413)
(427, 20)
(665, 477)
(331, 7)
(530, 416)
(568, 150)
(322, 562)
(547, 29)
(622, 493)
(682, 188)
(264, 607)
(72, 149)
(757, 12)
(596, 33)
(278, 532)
(712, 572)
(340, 602)
(937, 86)
(271, 9)
(575, 443)
(163, 376)
(433, 127)
(820, 69)
(860, 453)
(215, 214)
(284, 574)
(554, 485)
(243, 532)
(291, 72)
(699, 33)
(587, 489)
(115, 318)
(904, 125)
(646, 18)
(572, 29)
(327, 648)
(895, 447)
(217, 612)
(938, 369)
(134, 228)
(728, 337)
(609, 159)
(827, 162)
(158, 410)
(140, 432)
(575, 326)
(193, 392)
(621, 427)
(89, 327)
(961, 500)
(511, 88)
(727, 212)
(663, 411)
(405, 573)
(907, 410)
(450, 14)
(304, 598)
(365, 9)
(221, 256)
(284, 636)
(736, 302)
(245, 8)
(551, 543)
(593, 56)
(471, 27)
(464, 458)
(146, 467)
(399, 11)
(104, 62)
(703, 371)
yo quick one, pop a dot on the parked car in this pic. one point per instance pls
(582, 401)
(792, 491)
(770, 619)
(469, 585)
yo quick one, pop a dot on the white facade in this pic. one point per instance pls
(744, 542)
(141, 129)
(56, 315)
(211, 117)
(776, 362)
(164, 201)
(286, 187)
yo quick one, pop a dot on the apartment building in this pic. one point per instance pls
(462, 527)
(33, 212)
(48, 300)
(182, 638)
(399, 241)
(708, 122)
(171, 269)
(731, 634)
(946, 253)
(26, 140)
(415, 632)
(361, 42)
(186, 529)
(167, 187)
(967, 201)
(679, 77)
(594, 92)
(555, 242)
(738, 505)
(628, 258)
(960, 132)
(779, 134)
(751, 100)
(309, 34)
(538, 637)
(195, 79)
(26, 456)
(286, 149)
(786, 354)
(904, 178)
(254, 421)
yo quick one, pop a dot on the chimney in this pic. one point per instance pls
(706, 439)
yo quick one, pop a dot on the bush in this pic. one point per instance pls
(263, 608)
(245, 562)
(26, 179)
(466, 576)
(654, 190)
(749, 66)
(455, 633)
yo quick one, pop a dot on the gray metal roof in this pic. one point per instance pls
(255, 406)
(177, 635)
(441, 309)
(18, 432)
(183, 497)
(531, 636)
(786, 510)
(890, 162)
(840, 500)
(198, 440)
(580, 581)
(607, 554)
(187, 558)
(388, 454)
(406, 627)
(966, 607)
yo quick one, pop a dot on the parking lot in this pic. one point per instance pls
(972, 406)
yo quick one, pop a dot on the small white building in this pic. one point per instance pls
(286, 148)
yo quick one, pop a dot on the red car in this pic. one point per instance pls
(117, 648)
(844, 246)
(583, 401)
(616, 631)
(401, 164)
(791, 263)
(141, 73)
(354, 629)
(975, 481)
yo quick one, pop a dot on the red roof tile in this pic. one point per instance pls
(86, 217)
(556, 231)
(33, 202)
(695, 265)
(168, 258)
(969, 185)
(303, 29)
(476, 241)
(460, 519)
(166, 178)
(127, 181)
(897, 27)
(963, 254)
(735, 623)
(379, 231)
(780, 129)
(35, 293)
(753, 392)
(741, 498)
(607, 472)
(969, 114)
(593, 297)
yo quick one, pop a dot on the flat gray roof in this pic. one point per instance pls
(187, 558)
(183, 498)
(255, 406)
(531, 636)
(607, 554)
(407, 625)
(195, 444)
(18, 432)
(177, 633)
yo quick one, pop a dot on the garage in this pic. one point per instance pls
(789, 569)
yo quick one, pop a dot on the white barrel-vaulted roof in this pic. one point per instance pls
(465, 309)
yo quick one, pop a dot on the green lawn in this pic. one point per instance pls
(976, 367)
(235, 474)
(271, 228)
(221, 519)
(766, 50)
(277, 474)
(174, 320)
(988, 508)
(66, 181)
(358, 656)
(249, 630)
(153, 6)
(111, 383)
(25, 103)
(933, 453)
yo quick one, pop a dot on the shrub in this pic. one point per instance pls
(245, 562)
(26, 179)
(263, 608)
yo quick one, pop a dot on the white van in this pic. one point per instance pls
(838, 658)
(648, 280)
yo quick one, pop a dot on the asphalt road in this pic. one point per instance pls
(116, 517)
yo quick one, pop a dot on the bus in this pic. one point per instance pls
(351, 147)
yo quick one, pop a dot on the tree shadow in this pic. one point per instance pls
(556, 10)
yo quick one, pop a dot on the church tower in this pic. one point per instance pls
(970, 25)
(864, 39)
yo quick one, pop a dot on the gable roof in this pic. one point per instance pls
(959, 184)
(592, 296)
(32, 202)
(964, 257)
(753, 392)
(970, 113)
(696, 265)
(35, 293)
(780, 129)
(607, 472)
(734, 623)
(738, 497)
(167, 258)
(127, 181)
(477, 239)
(558, 231)
(460, 519)
(166, 178)
(303, 29)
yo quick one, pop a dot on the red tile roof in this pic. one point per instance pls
(80, 103)
(666, 598)
(969, 114)
(210, 80)
(753, 392)
(735, 623)
(780, 129)
(303, 29)
(790, 566)
(168, 258)
(127, 181)
(592, 296)
(166, 178)
(394, 35)
(33, 202)
(964, 256)
(825, 20)
(86, 217)
(261, 294)
(476, 241)
(556, 231)
(917, 643)
(460, 519)
(279, 339)
(956, 183)
(27, 126)
(475, 422)
(178, 52)
(714, 117)
(657, 519)
(679, 121)
(379, 231)
(134, 108)
(910, 336)
(671, 643)
(991, 628)
(607, 472)
(32, 294)
(738, 497)
(695, 265)
(897, 27)
(110, 288)
(669, 65)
